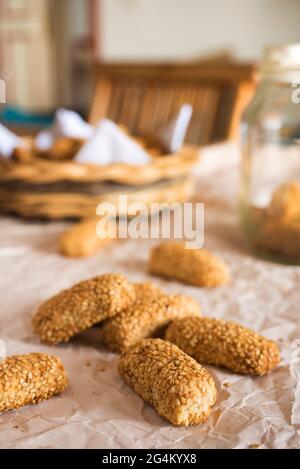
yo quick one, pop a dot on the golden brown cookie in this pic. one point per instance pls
(285, 203)
(147, 317)
(83, 239)
(29, 379)
(81, 306)
(172, 382)
(197, 267)
(223, 343)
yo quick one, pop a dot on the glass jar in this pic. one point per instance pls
(270, 137)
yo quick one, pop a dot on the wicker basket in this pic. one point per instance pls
(57, 189)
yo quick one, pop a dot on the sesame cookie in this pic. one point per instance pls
(29, 379)
(147, 317)
(223, 343)
(82, 239)
(285, 203)
(180, 389)
(197, 267)
(81, 306)
(146, 290)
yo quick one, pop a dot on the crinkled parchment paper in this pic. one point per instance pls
(98, 410)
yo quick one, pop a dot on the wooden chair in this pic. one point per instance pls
(144, 96)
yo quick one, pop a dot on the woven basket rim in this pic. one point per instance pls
(45, 171)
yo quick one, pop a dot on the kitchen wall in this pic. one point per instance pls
(174, 29)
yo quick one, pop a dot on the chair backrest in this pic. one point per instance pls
(145, 96)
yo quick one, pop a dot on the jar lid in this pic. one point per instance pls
(281, 63)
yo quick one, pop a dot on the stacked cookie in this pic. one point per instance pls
(126, 312)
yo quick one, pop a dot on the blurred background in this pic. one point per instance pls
(49, 49)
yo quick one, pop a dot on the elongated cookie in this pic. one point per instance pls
(82, 239)
(145, 318)
(29, 379)
(197, 267)
(223, 343)
(180, 389)
(79, 307)
(285, 203)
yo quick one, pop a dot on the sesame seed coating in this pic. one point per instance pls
(197, 267)
(147, 317)
(79, 307)
(146, 290)
(29, 379)
(223, 343)
(178, 387)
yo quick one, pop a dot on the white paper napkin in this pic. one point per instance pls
(106, 143)
(173, 134)
(8, 142)
(109, 144)
(66, 124)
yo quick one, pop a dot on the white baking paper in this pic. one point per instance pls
(98, 410)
